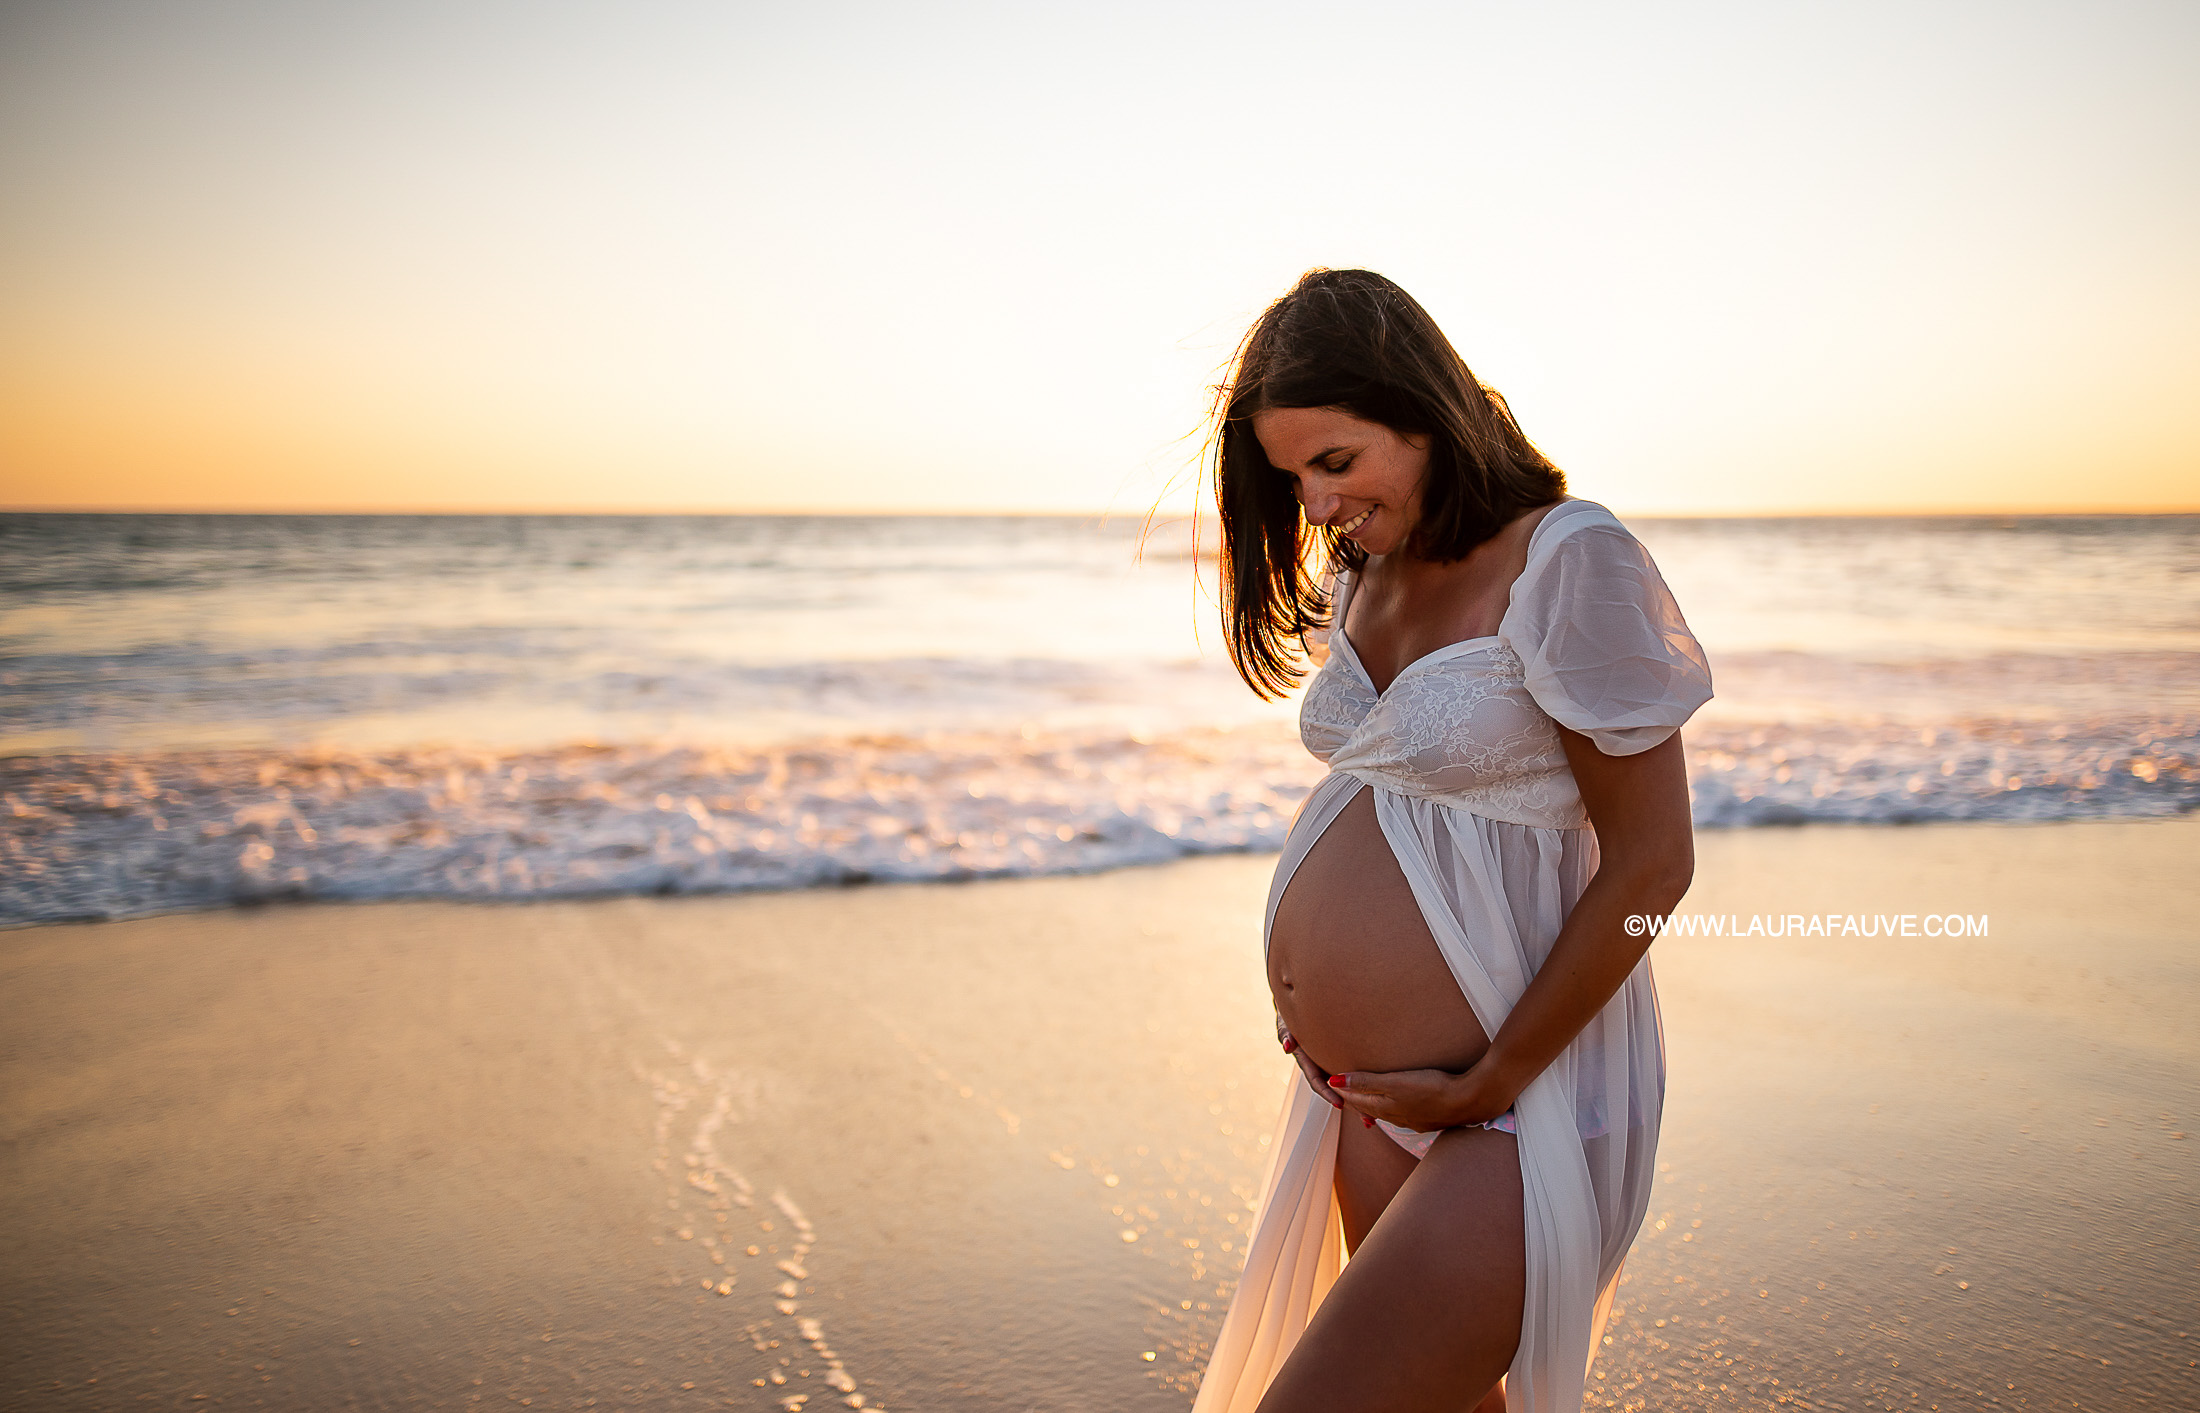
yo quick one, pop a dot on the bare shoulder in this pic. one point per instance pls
(1507, 550)
(1525, 523)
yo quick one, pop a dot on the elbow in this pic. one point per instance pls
(1673, 879)
(1676, 867)
(1659, 879)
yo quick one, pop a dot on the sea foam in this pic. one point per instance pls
(119, 835)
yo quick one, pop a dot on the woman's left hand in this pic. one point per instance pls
(1424, 1099)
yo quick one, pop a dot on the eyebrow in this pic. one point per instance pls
(1320, 456)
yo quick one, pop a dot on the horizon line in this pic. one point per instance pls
(1006, 513)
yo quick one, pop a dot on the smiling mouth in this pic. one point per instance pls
(1355, 522)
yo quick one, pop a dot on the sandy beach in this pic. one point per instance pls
(991, 1146)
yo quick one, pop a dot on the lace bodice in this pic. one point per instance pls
(1591, 638)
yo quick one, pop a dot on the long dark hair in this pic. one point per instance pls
(1353, 340)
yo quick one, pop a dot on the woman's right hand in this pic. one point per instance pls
(1315, 1074)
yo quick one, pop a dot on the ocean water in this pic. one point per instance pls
(200, 710)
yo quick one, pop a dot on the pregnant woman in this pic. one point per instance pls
(1447, 933)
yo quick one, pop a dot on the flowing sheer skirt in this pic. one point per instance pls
(1495, 895)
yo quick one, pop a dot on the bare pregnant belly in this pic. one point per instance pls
(1354, 969)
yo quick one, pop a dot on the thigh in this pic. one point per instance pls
(1426, 1314)
(1371, 1167)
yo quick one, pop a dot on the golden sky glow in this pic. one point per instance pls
(1721, 258)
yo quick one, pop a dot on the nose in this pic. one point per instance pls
(1320, 507)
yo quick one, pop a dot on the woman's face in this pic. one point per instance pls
(1359, 476)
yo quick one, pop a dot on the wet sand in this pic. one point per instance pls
(993, 1144)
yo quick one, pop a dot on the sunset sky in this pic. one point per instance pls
(1721, 257)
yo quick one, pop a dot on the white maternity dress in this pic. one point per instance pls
(1475, 798)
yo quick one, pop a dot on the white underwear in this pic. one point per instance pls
(1418, 1144)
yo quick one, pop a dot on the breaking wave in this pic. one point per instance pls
(105, 836)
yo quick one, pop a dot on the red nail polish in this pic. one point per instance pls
(1337, 1081)
(1366, 1120)
(1289, 1046)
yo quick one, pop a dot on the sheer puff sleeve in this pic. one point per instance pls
(1606, 649)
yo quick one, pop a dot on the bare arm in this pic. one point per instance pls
(1639, 806)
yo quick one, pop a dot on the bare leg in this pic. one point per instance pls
(1371, 1167)
(1370, 1170)
(1426, 1315)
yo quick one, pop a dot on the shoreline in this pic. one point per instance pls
(1133, 855)
(412, 1145)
